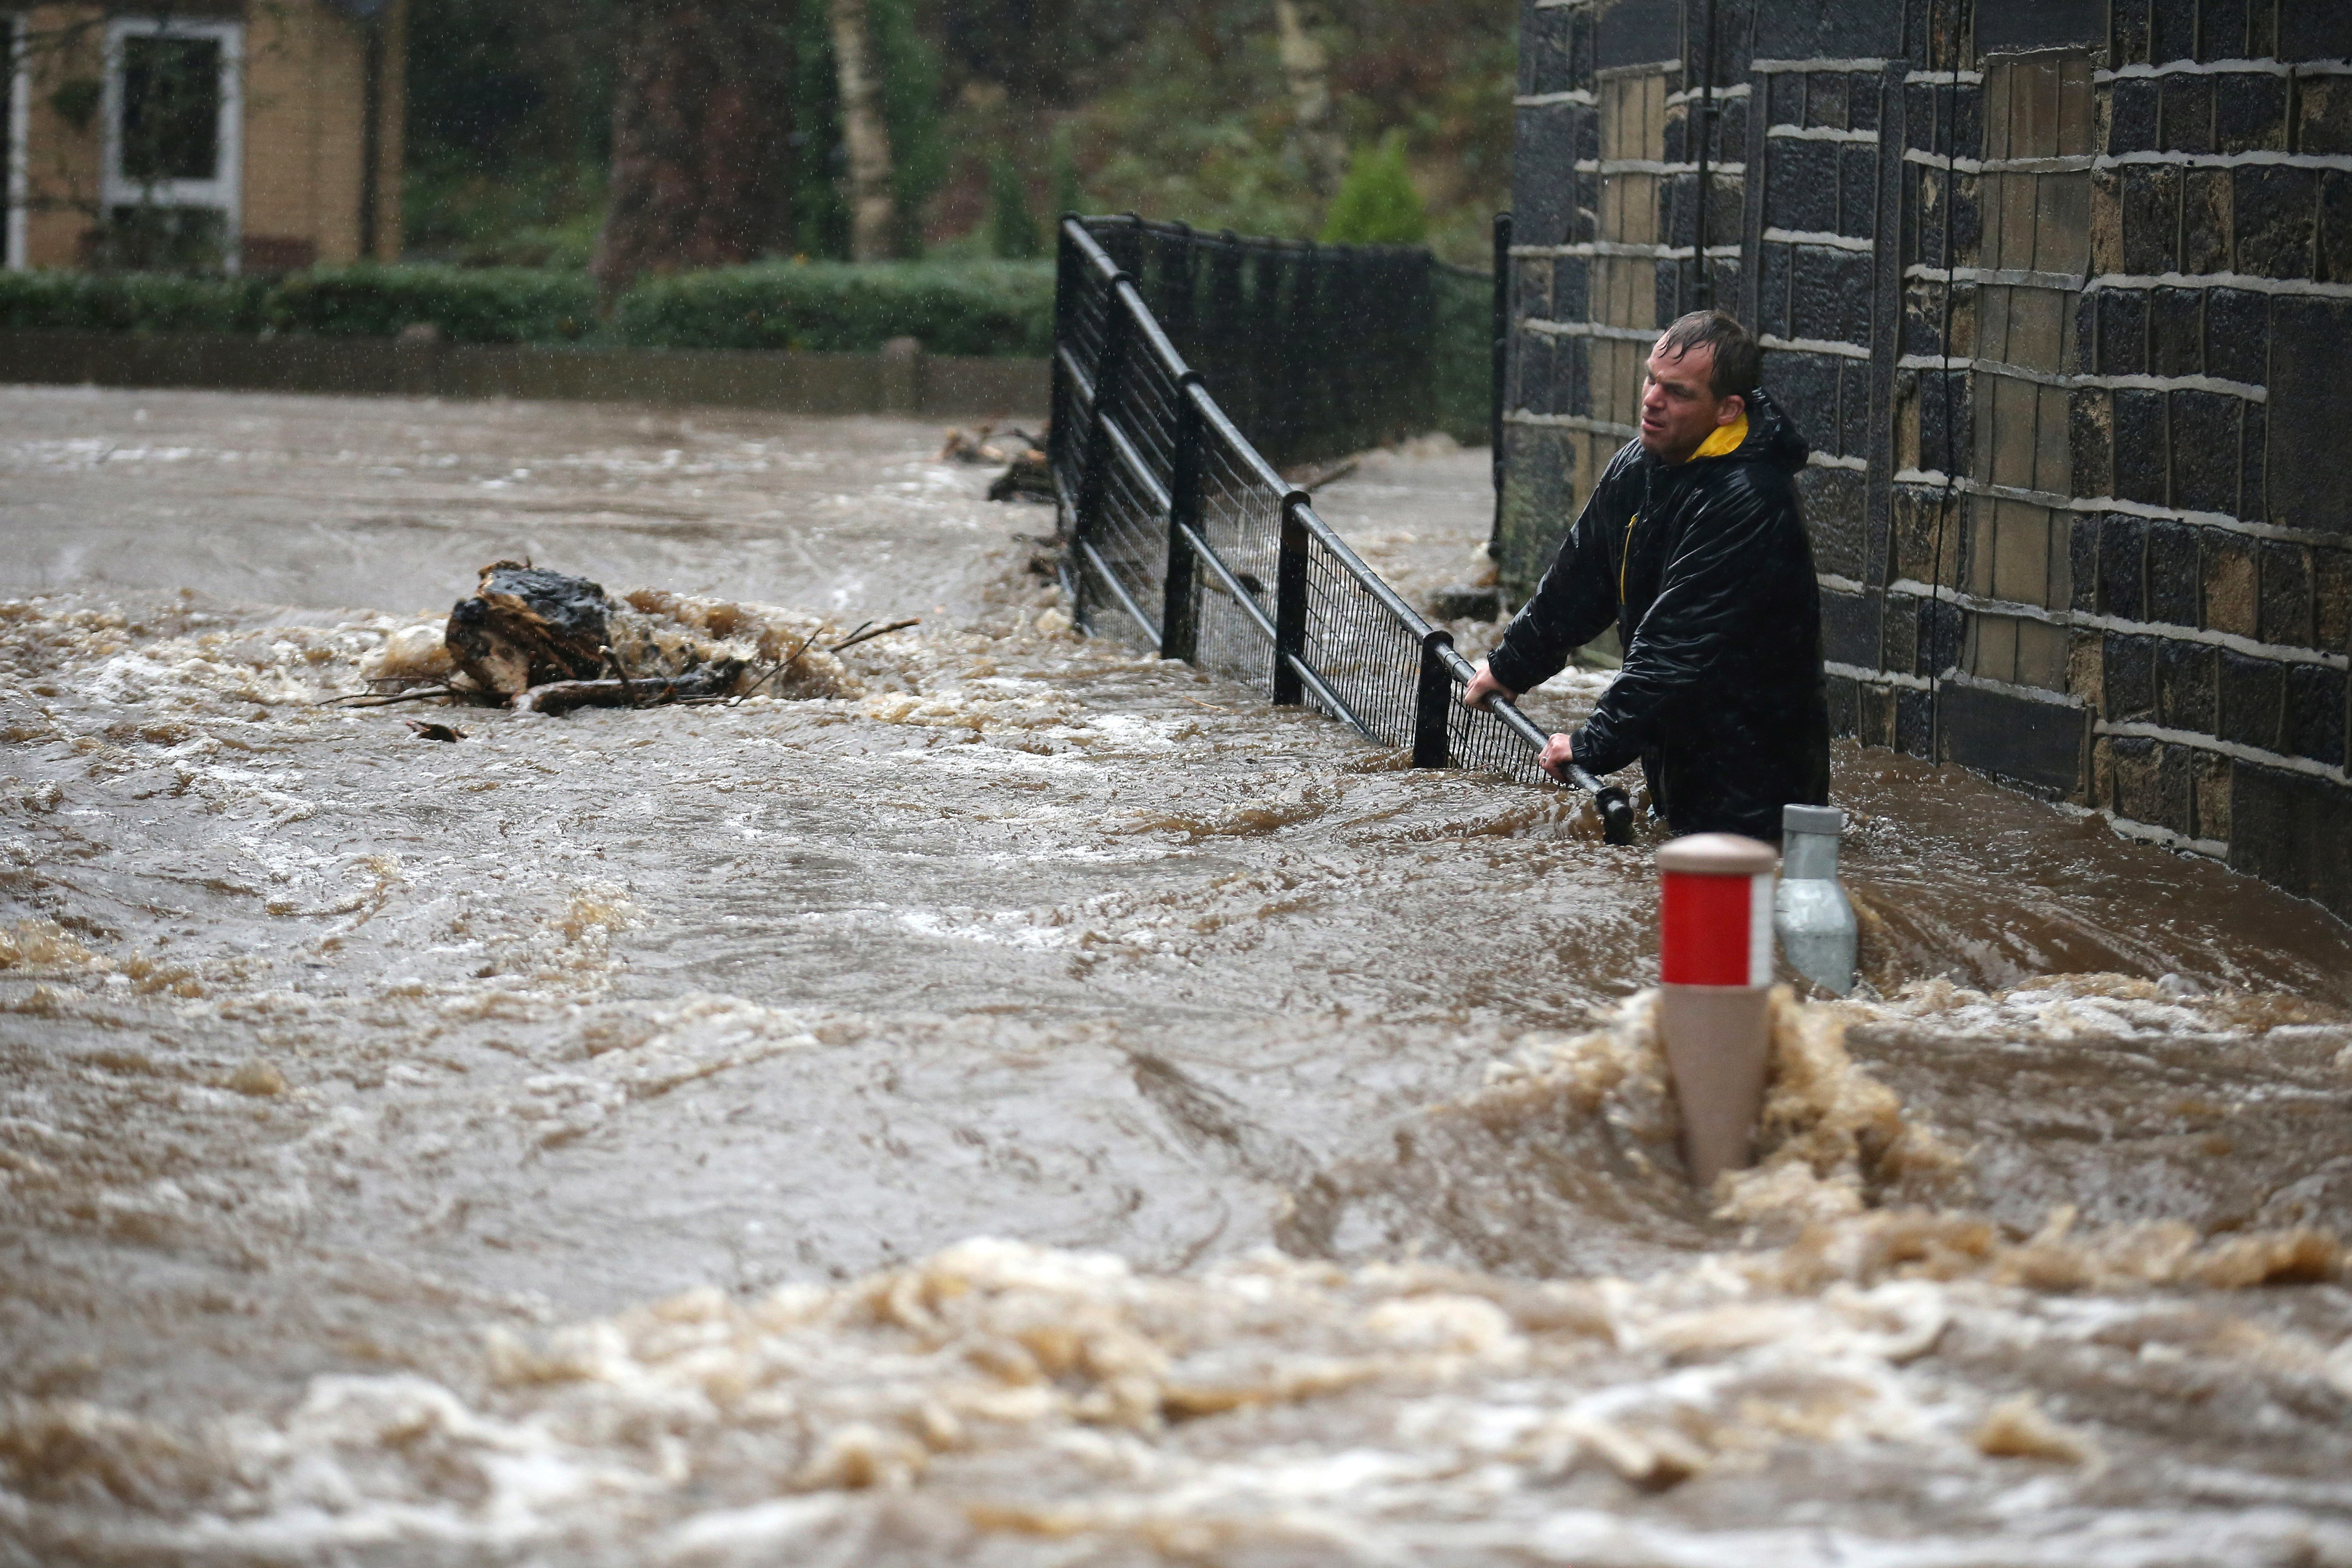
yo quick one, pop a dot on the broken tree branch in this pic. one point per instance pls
(862, 634)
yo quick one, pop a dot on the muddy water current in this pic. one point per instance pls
(1003, 1099)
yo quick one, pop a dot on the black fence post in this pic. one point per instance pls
(1432, 702)
(1290, 603)
(1179, 622)
(1499, 371)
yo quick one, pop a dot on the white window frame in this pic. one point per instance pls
(225, 192)
(20, 126)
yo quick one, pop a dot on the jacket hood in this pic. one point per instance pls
(1771, 436)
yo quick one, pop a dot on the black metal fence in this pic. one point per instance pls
(1181, 531)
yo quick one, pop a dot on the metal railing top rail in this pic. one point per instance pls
(1147, 509)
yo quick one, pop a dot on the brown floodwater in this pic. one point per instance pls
(1006, 1099)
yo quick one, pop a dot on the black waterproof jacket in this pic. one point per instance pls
(1704, 568)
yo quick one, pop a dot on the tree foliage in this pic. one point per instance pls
(1377, 203)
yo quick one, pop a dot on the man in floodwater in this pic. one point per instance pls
(1692, 543)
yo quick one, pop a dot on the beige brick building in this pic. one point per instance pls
(254, 135)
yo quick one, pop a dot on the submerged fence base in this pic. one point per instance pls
(1182, 534)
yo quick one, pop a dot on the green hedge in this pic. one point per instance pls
(469, 305)
(952, 307)
(129, 302)
(1465, 354)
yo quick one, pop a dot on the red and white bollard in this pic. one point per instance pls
(1715, 961)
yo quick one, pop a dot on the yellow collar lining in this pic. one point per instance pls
(1725, 441)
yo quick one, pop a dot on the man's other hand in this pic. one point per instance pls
(1484, 686)
(1557, 752)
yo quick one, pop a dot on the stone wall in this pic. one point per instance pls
(2062, 293)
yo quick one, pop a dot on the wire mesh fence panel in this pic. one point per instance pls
(1184, 536)
(1240, 522)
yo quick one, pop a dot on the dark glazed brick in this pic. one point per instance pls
(1854, 408)
(2123, 332)
(2310, 410)
(2221, 30)
(2130, 26)
(2176, 331)
(1529, 382)
(2122, 540)
(2091, 431)
(2172, 31)
(1899, 640)
(2252, 447)
(2314, 30)
(2286, 594)
(2251, 689)
(1800, 186)
(1845, 695)
(1731, 130)
(1572, 281)
(2038, 744)
(2130, 678)
(1914, 723)
(2336, 218)
(2276, 209)
(1834, 505)
(1787, 98)
(2186, 115)
(2172, 569)
(1858, 192)
(1805, 386)
(1861, 92)
(1940, 627)
(2293, 831)
(2205, 451)
(2084, 330)
(1817, 302)
(1850, 629)
(2237, 335)
(1545, 147)
(2140, 459)
(1772, 289)
(2205, 223)
(2083, 564)
(2314, 713)
(2251, 113)
(2184, 686)
(1853, 269)
(2131, 126)
(2151, 205)
(1666, 290)
(1968, 120)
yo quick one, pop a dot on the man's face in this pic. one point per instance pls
(1679, 407)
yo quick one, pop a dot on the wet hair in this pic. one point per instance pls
(1738, 359)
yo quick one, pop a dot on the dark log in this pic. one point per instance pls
(553, 697)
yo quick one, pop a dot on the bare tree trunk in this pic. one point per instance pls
(872, 211)
(1307, 70)
(700, 123)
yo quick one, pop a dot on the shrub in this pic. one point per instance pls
(469, 305)
(129, 302)
(1011, 226)
(1377, 203)
(972, 308)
